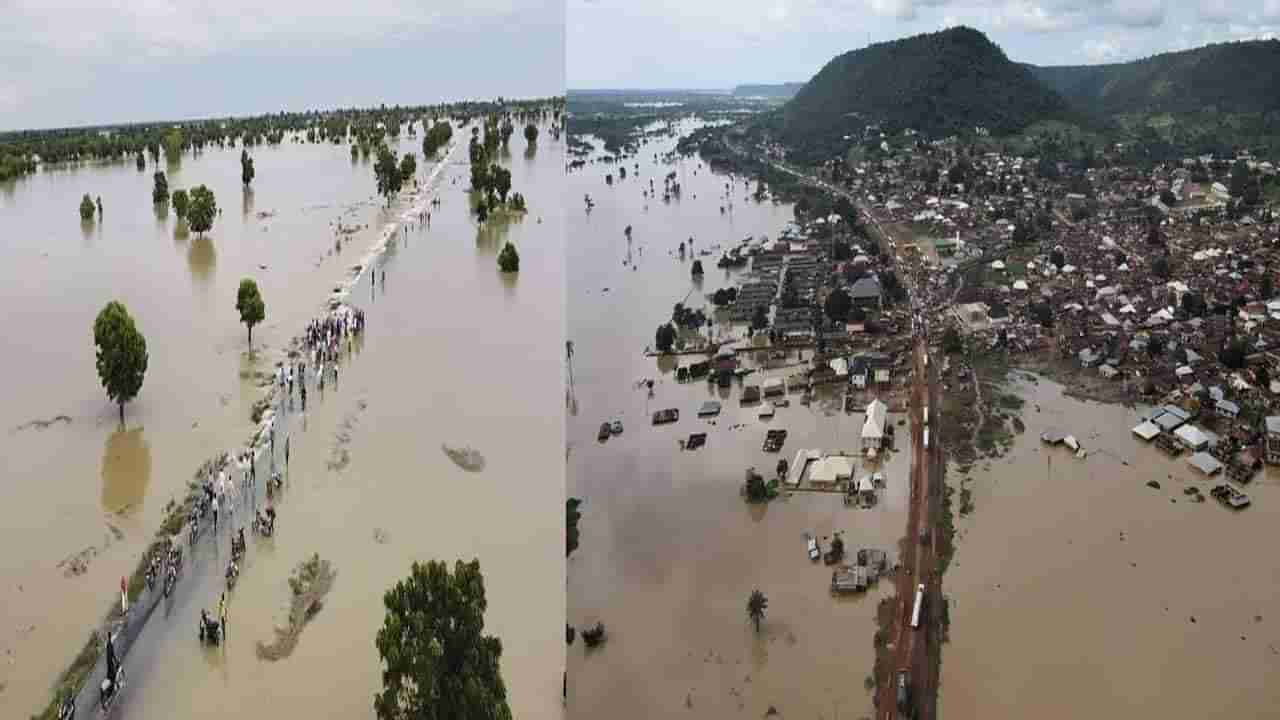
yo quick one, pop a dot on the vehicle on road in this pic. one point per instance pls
(919, 605)
(902, 690)
(210, 630)
(811, 546)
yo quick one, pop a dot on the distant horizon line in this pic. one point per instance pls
(245, 116)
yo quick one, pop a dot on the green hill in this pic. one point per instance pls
(1235, 78)
(937, 83)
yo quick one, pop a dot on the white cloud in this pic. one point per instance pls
(192, 29)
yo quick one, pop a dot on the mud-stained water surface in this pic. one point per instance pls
(1078, 590)
(446, 357)
(669, 551)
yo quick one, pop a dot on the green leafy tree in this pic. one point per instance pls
(757, 603)
(437, 663)
(86, 207)
(121, 354)
(572, 516)
(531, 133)
(180, 201)
(838, 305)
(202, 208)
(482, 210)
(665, 338)
(408, 166)
(756, 489)
(509, 259)
(1240, 179)
(160, 188)
(173, 145)
(1233, 354)
(250, 306)
(1160, 267)
(760, 318)
(246, 168)
(387, 173)
(951, 342)
(501, 181)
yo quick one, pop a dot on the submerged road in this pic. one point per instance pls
(204, 563)
(915, 650)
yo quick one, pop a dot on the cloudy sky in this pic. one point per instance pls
(719, 43)
(68, 62)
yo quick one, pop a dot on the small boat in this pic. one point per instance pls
(616, 427)
(605, 432)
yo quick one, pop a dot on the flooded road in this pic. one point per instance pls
(1078, 591)
(669, 550)
(365, 457)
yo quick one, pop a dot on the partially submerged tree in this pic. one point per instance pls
(160, 188)
(121, 354)
(756, 605)
(201, 209)
(500, 182)
(665, 338)
(437, 663)
(572, 516)
(509, 259)
(531, 133)
(180, 203)
(697, 268)
(408, 166)
(838, 305)
(386, 171)
(250, 306)
(246, 168)
(86, 208)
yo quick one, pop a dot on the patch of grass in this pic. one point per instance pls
(259, 408)
(947, 531)
(966, 500)
(944, 619)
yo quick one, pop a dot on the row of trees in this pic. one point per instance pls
(199, 207)
(131, 142)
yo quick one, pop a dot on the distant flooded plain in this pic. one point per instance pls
(371, 489)
(1079, 591)
(669, 550)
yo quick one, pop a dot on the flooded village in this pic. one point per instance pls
(747, 456)
(363, 476)
(1102, 341)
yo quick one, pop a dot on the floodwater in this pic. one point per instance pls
(365, 456)
(669, 550)
(1078, 591)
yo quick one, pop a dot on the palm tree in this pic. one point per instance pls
(756, 605)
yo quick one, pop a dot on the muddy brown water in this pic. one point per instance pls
(416, 381)
(1074, 585)
(669, 551)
